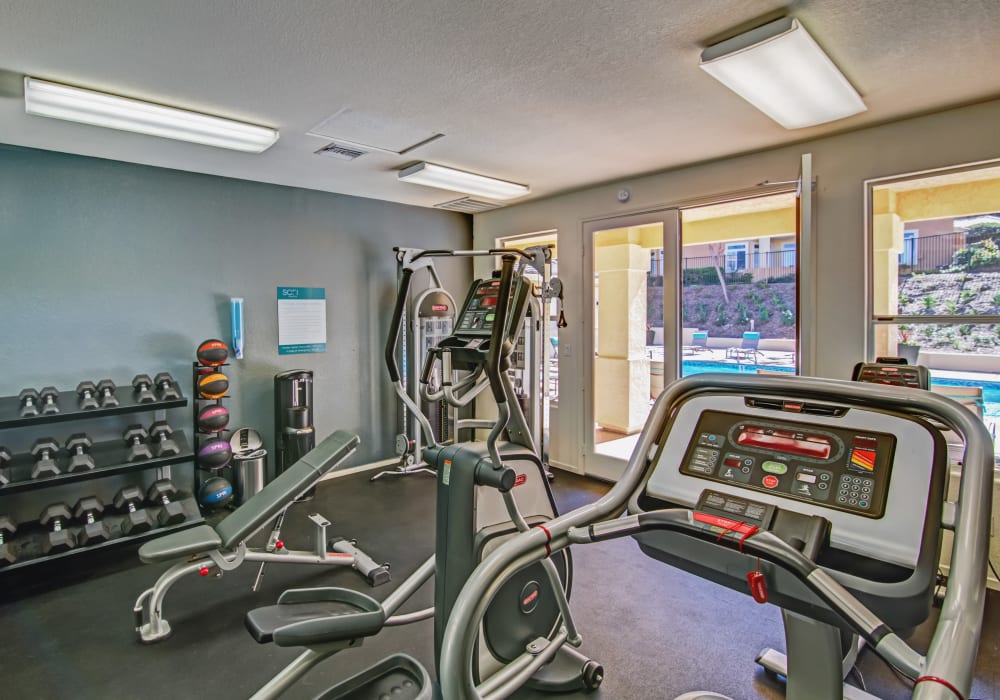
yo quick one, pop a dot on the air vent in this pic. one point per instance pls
(467, 205)
(335, 150)
(815, 409)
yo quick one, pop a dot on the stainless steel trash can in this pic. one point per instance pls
(249, 464)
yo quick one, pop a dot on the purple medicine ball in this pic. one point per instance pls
(214, 454)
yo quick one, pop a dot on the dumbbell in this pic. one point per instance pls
(77, 445)
(128, 500)
(44, 449)
(50, 400)
(135, 437)
(106, 388)
(166, 386)
(59, 538)
(88, 511)
(143, 391)
(87, 391)
(29, 402)
(160, 431)
(8, 555)
(159, 494)
(4, 461)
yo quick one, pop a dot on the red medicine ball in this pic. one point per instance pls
(213, 353)
(212, 419)
(213, 386)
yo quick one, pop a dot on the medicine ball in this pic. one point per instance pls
(214, 454)
(213, 386)
(215, 492)
(212, 419)
(213, 353)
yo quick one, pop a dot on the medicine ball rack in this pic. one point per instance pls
(198, 370)
(109, 459)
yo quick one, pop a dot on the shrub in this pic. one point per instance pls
(763, 314)
(721, 317)
(951, 307)
(781, 278)
(703, 313)
(996, 300)
(966, 296)
(787, 317)
(928, 303)
(699, 276)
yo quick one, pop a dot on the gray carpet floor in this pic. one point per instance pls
(659, 632)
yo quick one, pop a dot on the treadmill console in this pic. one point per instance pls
(842, 469)
(479, 311)
(913, 376)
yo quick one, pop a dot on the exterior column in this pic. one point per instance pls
(887, 244)
(621, 368)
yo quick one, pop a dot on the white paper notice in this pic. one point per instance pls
(301, 320)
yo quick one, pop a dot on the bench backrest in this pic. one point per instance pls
(290, 484)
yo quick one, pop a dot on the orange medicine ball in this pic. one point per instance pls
(213, 386)
(213, 353)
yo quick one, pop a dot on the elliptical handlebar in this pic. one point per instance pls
(499, 345)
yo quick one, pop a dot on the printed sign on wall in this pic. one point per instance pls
(301, 320)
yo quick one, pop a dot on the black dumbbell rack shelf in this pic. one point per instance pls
(69, 402)
(31, 536)
(109, 458)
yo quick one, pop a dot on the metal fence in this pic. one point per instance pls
(952, 252)
(741, 268)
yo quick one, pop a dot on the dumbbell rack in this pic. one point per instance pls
(197, 370)
(109, 458)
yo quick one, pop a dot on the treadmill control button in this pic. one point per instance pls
(770, 481)
(774, 467)
(710, 440)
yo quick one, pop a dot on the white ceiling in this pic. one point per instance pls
(557, 94)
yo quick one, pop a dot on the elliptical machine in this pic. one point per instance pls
(424, 324)
(487, 492)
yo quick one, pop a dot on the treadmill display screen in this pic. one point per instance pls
(842, 469)
(785, 441)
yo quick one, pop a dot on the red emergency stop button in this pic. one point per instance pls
(770, 481)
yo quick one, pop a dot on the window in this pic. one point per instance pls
(934, 252)
(787, 254)
(908, 258)
(736, 257)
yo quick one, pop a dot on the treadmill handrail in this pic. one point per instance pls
(952, 651)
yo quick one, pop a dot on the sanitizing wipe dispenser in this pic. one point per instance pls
(294, 433)
(249, 464)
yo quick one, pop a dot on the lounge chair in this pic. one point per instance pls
(699, 343)
(747, 349)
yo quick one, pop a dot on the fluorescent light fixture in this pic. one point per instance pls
(781, 70)
(73, 104)
(460, 181)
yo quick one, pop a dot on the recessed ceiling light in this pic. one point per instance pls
(781, 70)
(47, 99)
(444, 178)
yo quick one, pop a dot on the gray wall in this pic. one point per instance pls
(110, 269)
(841, 164)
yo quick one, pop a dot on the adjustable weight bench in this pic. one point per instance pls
(223, 547)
